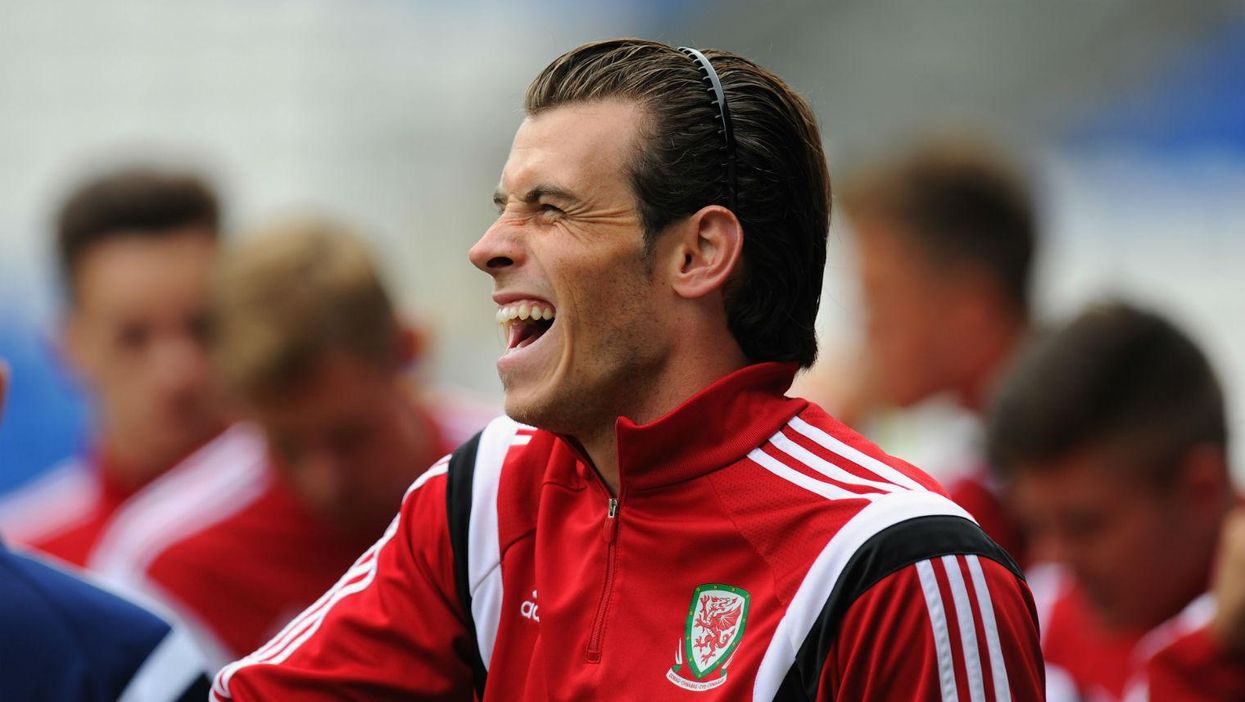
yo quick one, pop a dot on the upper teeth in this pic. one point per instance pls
(524, 310)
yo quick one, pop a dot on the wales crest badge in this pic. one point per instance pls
(715, 626)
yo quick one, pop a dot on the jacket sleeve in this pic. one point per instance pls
(958, 627)
(391, 628)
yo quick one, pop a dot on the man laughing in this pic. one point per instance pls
(655, 519)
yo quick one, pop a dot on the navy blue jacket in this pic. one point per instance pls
(62, 638)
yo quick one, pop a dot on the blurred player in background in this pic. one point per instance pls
(135, 248)
(946, 237)
(64, 640)
(1112, 436)
(306, 336)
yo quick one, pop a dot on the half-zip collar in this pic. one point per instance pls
(714, 428)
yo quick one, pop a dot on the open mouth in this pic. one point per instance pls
(525, 322)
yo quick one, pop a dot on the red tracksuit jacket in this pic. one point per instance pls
(757, 549)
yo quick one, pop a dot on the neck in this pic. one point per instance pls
(130, 468)
(662, 394)
(602, 450)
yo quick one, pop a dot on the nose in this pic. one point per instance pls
(498, 249)
(180, 362)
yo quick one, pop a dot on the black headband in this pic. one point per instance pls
(724, 113)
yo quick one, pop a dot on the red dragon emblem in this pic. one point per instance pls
(718, 618)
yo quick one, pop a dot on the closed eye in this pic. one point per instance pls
(549, 213)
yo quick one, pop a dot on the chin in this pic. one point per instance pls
(527, 412)
(541, 410)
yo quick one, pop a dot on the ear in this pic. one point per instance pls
(1204, 484)
(707, 250)
(975, 293)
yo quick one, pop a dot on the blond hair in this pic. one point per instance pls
(291, 294)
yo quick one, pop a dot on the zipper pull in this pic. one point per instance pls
(611, 521)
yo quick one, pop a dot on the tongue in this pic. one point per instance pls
(514, 335)
(522, 334)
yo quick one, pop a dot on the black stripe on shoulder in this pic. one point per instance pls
(460, 474)
(886, 552)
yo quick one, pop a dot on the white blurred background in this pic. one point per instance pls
(396, 115)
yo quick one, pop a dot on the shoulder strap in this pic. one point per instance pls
(461, 472)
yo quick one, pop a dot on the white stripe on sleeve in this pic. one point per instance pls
(854, 455)
(938, 624)
(968, 628)
(825, 467)
(51, 503)
(998, 668)
(813, 485)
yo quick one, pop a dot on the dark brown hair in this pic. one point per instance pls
(1115, 375)
(133, 201)
(959, 203)
(782, 186)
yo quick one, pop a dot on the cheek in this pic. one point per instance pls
(386, 427)
(1157, 536)
(379, 449)
(602, 300)
(906, 356)
(133, 383)
(902, 318)
(104, 356)
(1127, 546)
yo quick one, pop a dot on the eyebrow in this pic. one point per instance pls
(536, 193)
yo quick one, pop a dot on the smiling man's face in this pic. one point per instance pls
(568, 243)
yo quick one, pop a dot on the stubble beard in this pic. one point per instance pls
(608, 377)
(583, 407)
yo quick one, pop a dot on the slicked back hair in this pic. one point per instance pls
(782, 185)
(1117, 376)
(136, 201)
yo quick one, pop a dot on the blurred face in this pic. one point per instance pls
(1134, 549)
(136, 338)
(910, 309)
(345, 438)
(568, 244)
